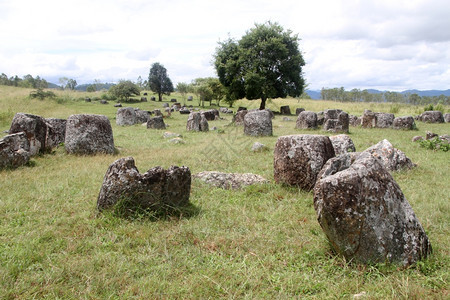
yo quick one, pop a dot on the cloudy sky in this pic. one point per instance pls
(382, 44)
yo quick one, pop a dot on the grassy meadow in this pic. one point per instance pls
(261, 242)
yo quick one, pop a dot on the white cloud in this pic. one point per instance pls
(378, 43)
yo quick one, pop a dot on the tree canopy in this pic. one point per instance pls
(124, 90)
(265, 63)
(158, 80)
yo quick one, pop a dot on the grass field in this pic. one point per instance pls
(259, 242)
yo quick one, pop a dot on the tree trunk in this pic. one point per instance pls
(263, 103)
(159, 97)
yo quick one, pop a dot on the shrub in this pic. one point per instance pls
(395, 108)
(428, 107)
(41, 94)
(435, 144)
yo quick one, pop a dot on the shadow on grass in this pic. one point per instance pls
(135, 212)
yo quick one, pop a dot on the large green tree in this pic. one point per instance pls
(265, 63)
(158, 81)
(124, 90)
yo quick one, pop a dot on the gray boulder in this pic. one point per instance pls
(354, 120)
(126, 116)
(156, 123)
(184, 111)
(369, 119)
(320, 118)
(35, 129)
(364, 213)
(157, 112)
(404, 123)
(384, 120)
(56, 131)
(430, 135)
(285, 110)
(339, 124)
(238, 118)
(14, 150)
(156, 190)
(89, 134)
(331, 114)
(447, 118)
(432, 117)
(197, 122)
(142, 116)
(306, 120)
(229, 180)
(258, 123)
(258, 147)
(342, 144)
(393, 159)
(177, 140)
(298, 110)
(168, 135)
(211, 114)
(298, 159)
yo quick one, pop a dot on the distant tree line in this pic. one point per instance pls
(26, 81)
(357, 95)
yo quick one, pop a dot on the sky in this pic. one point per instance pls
(381, 44)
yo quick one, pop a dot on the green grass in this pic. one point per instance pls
(259, 242)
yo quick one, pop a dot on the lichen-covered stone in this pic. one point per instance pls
(331, 114)
(238, 118)
(56, 131)
(384, 120)
(369, 119)
(126, 116)
(14, 150)
(142, 116)
(298, 159)
(342, 144)
(354, 120)
(432, 117)
(211, 114)
(35, 129)
(258, 147)
(306, 120)
(364, 213)
(285, 110)
(156, 123)
(447, 118)
(338, 124)
(393, 159)
(89, 134)
(298, 110)
(157, 189)
(197, 122)
(258, 123)
(229, 180)
(404, 123)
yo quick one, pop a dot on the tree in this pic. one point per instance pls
(71, 84)
(124, 90)
(158, 81)
(91, 88)
(218, 90)
(63, 82)
(265, 63)
(139, 82)
(182, 88)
